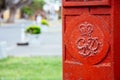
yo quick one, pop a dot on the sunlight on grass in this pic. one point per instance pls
(36, 68)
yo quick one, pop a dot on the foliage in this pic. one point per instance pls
(33, 7)
(37, 5)
(27, 10)
(32, 68)
(33, 29)
(44, 22)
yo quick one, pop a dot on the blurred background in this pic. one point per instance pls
(29, 9)
(30, 40)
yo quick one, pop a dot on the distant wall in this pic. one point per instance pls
(7, 13)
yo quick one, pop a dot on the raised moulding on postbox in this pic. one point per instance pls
(86, 2)
(87, 39)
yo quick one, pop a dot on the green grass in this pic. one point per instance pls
(36, 68)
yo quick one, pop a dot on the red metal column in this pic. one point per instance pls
(90, 40)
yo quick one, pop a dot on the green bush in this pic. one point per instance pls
(44, 22)
(34, 29)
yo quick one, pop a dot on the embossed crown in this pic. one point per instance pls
(86, 29)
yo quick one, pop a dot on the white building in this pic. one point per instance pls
(52, 7)
(58, 2)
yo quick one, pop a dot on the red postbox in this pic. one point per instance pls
(91, 39)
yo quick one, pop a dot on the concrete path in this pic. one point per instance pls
(48, 44)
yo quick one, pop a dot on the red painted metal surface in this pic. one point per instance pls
(91, 30)
(86, 2)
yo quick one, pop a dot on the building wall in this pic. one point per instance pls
(7, 13)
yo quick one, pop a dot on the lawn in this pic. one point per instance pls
(32, 68)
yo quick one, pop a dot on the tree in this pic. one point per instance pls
(37, 4)
(34, 7)
(2, 7)
(13, 5)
